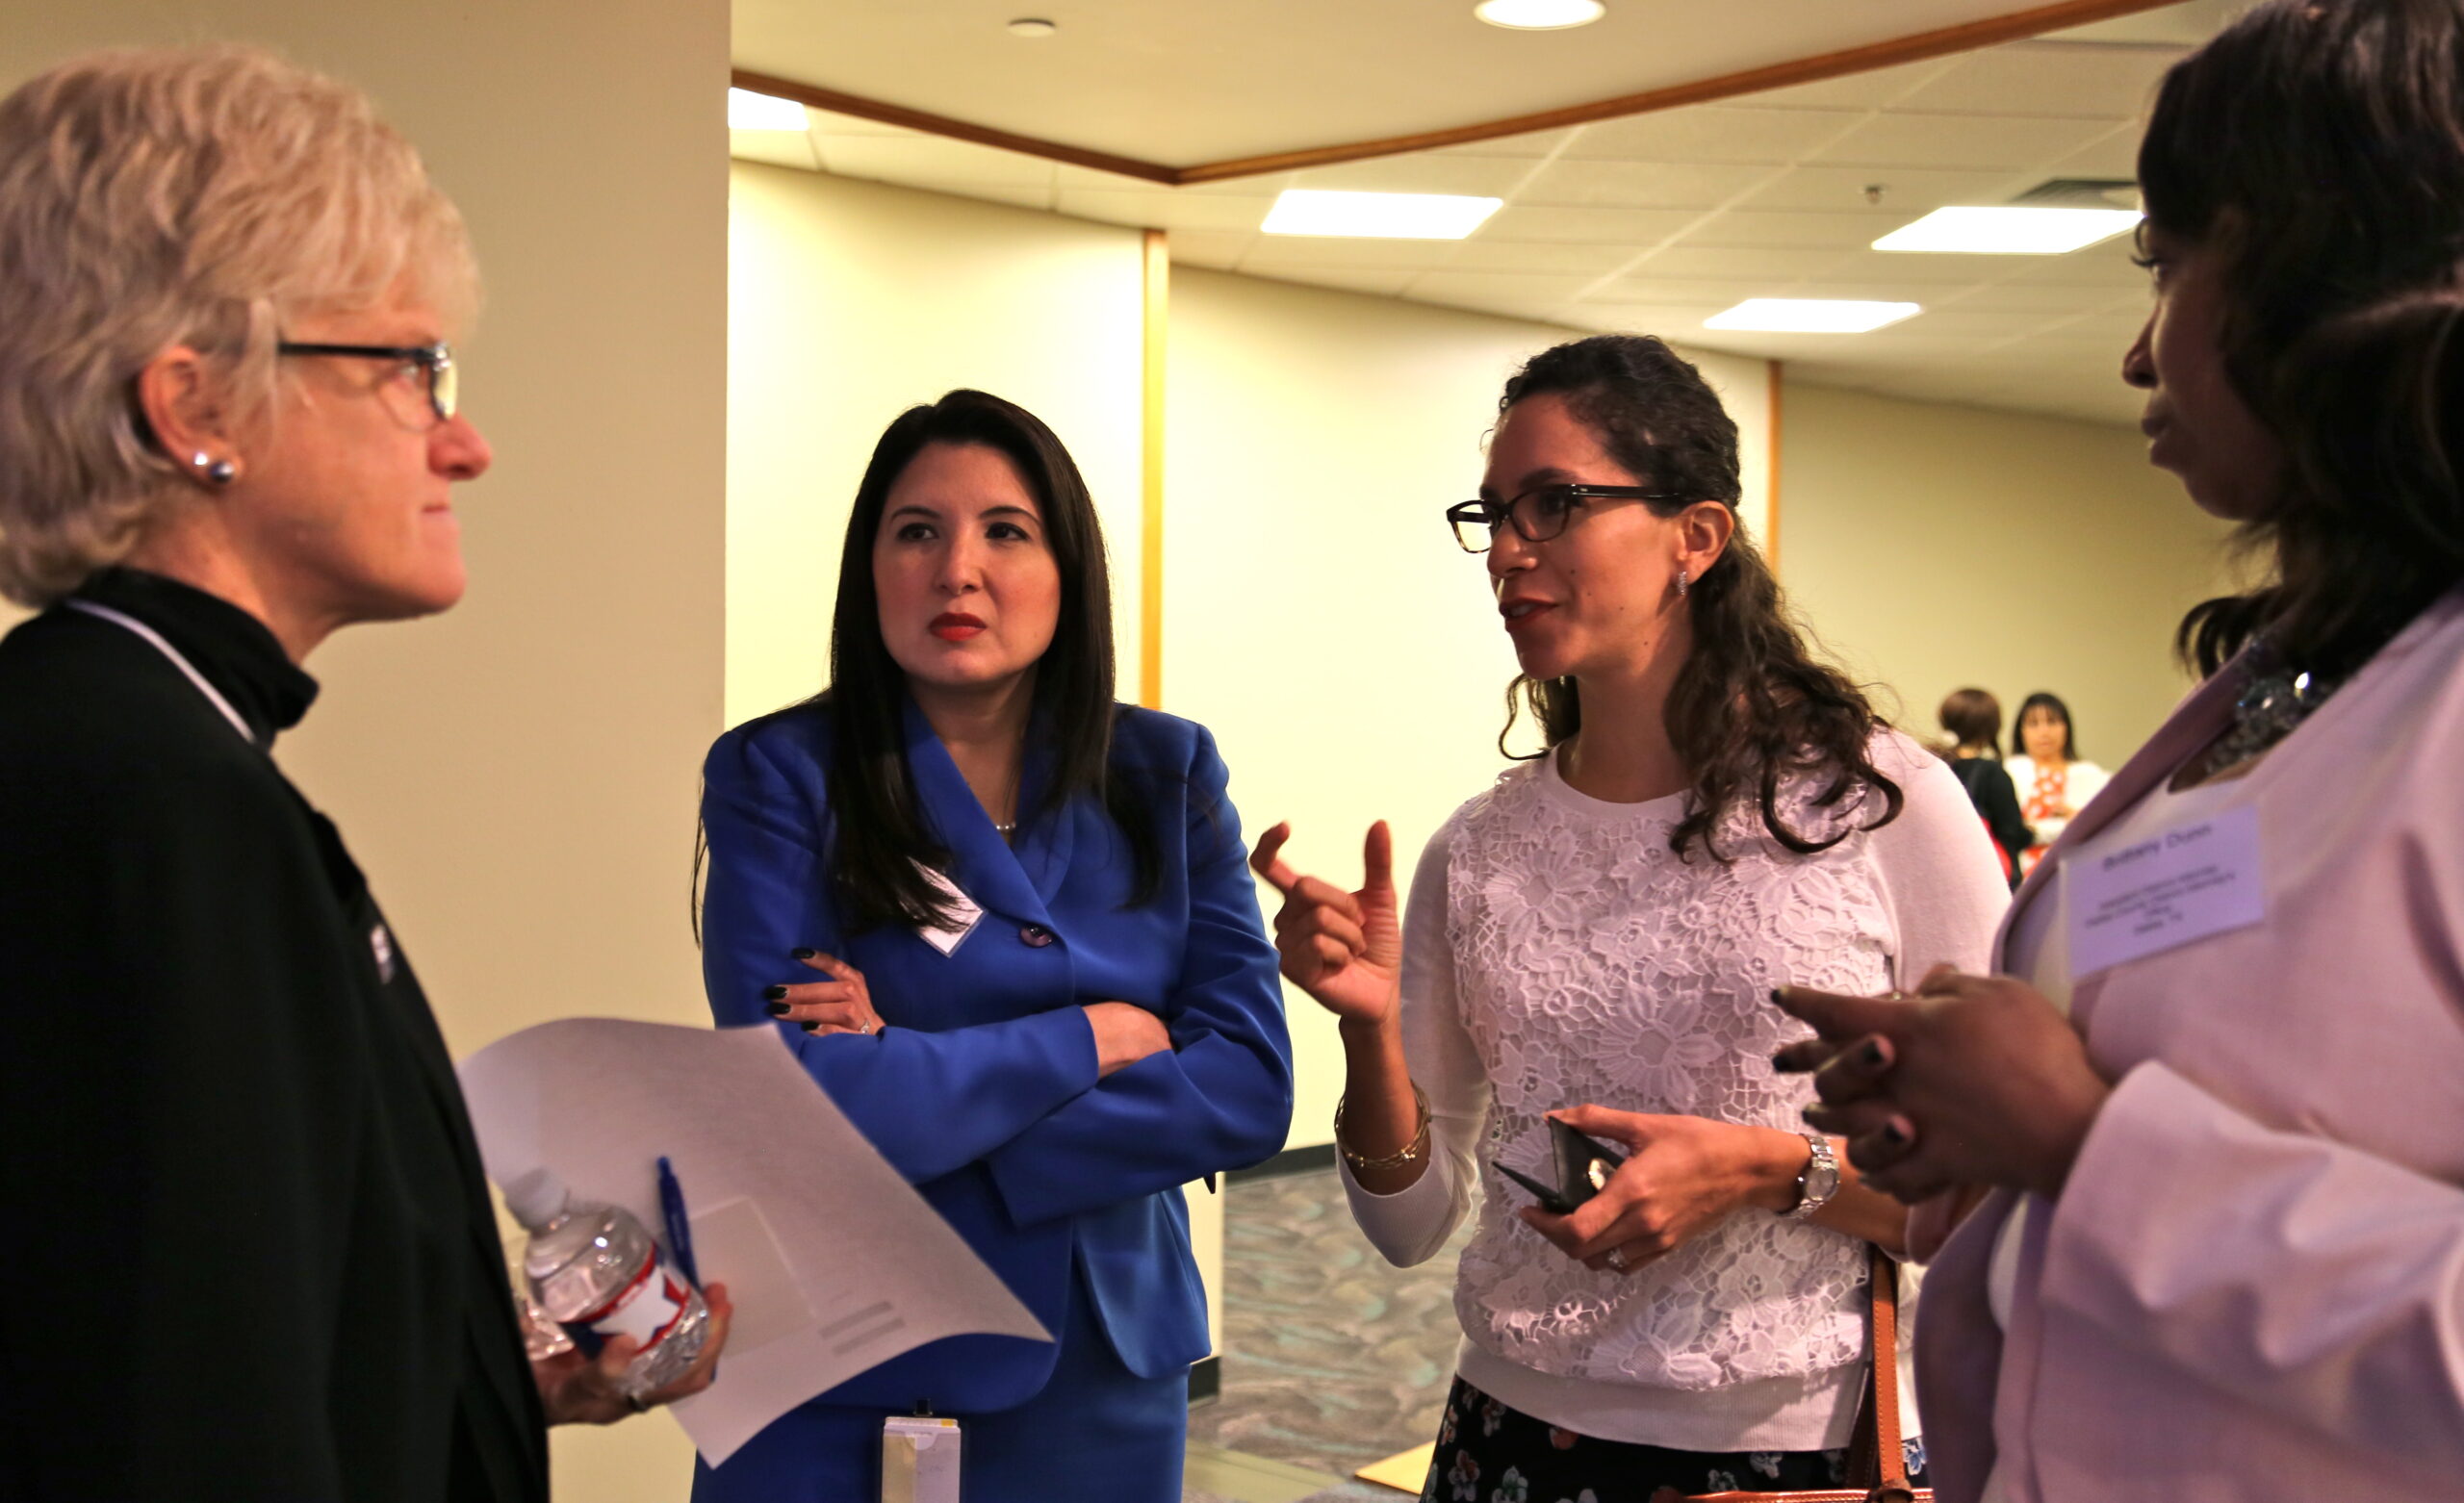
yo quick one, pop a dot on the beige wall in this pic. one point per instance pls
(1317, 615)
(851, 302)
(518, 776)
(1932, 547)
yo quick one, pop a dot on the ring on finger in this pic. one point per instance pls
(1617, 1259)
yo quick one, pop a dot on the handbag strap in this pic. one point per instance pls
(1882, 1397)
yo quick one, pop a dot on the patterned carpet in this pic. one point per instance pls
(1332, 1357)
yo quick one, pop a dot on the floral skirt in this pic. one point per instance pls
(1487, 1453)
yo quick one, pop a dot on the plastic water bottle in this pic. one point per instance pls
(599, 1274)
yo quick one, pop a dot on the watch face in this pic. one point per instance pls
(1822, 1182)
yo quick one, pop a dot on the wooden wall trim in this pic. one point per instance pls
(865, 109)
(1968, 36)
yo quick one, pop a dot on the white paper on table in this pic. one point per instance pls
(834, 1263)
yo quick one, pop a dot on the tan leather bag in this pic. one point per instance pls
(1874, 1463)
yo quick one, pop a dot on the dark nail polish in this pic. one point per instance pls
(1871, 1056)
(811, 1028)
(801, 953)
(773, 993)
(778, 1010)
(1775, 996)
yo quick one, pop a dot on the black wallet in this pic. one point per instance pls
(1582, 1164)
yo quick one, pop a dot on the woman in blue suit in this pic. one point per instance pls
(1044, 992)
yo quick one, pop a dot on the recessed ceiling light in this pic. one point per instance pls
(1308, 211)
(1539, 16)
(1032, 26)
(2009, 231)
(748, 111)
(1810, 315)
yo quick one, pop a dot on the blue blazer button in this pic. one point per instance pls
(1037, 935)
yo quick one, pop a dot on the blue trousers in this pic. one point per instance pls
(1097, 1432)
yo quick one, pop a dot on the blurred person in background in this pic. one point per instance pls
(1972, 718)
(2053, 783)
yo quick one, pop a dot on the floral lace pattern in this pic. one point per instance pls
(1593, 964)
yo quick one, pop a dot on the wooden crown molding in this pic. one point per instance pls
(2017, 26)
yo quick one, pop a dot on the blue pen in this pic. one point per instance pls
(680, 1230)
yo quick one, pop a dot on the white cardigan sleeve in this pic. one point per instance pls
(1409, 1226)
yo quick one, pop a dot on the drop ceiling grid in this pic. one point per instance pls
(1655, 221)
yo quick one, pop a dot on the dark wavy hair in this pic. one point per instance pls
(1972, 716)
(1751, 706)
(2317, 146)
(2042, 700)
(876, 836)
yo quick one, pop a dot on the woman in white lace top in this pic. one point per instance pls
(1716, 814)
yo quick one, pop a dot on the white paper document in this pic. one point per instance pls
(2179, 885)
(834, 1263)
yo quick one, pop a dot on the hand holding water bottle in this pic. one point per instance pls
(594, 1272)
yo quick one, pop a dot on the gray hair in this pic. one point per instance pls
(200, 197)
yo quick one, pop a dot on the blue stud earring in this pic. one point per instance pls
(220, 472)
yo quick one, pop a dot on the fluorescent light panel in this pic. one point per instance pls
(2009, 231)
(1810, 315)
(1539, 16)
(1310, 211)
(748, 111)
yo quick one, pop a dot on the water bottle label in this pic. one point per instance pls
(646, 1310)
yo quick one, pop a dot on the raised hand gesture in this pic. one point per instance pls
(1346, 949)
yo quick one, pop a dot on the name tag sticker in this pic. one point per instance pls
(964, 914)
(2153, 895)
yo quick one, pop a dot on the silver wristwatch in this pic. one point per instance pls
(1819, 1181)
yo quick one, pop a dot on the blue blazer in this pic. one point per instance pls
(982, 1089)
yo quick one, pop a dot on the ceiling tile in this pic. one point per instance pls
(1535, 143)
(1792, 229)
(1289, 251)
(779, 148)
(1487, 255)
(1873, 89)
(1925, 268)
(1638, 228)
(2047, 79)
(1676, 325)
(1714, 133)
(1689, 293)
(1490, 177)
(1722, 261)
(1969, 141)
(1640, 185)
(829, 123)
(2115, 155)
(1484, 289)
(1162, 207)
(2037, 297)
(930, 160)
(1982, 327)
(1219, 249)
(1910, 191)
(1373, 283)
(2108, 264)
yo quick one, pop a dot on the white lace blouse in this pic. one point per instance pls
(1558, 951)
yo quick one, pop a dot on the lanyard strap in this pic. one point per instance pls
(147, 632)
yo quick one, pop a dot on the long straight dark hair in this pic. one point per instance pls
(877, 835)
(1751, 706)
(2317, 148)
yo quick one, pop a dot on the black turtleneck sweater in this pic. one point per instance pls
(245, 1244)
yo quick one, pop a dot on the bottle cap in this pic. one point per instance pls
(536, 1198)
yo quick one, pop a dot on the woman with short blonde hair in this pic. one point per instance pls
(232, 1145)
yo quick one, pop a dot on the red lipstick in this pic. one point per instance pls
(955, 626)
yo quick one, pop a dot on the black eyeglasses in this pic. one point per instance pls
(435, 361)
(1537, 515)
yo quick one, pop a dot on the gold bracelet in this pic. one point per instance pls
(1410, 1152)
